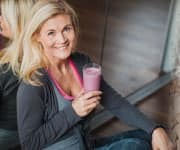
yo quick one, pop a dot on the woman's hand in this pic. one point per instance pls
(86, 102)
(160, 140)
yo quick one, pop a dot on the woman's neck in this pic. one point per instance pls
(60, 67)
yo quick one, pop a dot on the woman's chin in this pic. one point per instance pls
(64, 56)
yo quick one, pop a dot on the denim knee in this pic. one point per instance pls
(130, 144)
(127, 144)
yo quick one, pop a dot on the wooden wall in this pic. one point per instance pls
(92, 16)
(126, 37)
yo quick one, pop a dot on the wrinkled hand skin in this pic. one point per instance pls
(86, 102)
(161, 141)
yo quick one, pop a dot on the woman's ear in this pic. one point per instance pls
(4, 28)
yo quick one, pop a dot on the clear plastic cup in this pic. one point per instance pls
(91, 77)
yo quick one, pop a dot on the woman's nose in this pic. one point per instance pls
(61, 38)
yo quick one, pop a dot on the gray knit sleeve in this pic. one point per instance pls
(123, 110)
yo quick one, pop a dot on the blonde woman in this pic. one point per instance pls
(12, 21)
(51, 103)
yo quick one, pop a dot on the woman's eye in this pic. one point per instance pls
(50, 33)
(67, 29)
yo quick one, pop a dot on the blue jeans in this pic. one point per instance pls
(8, 139)
(130, 140)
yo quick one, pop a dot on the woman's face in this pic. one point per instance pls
(4, 28)
(57, 37)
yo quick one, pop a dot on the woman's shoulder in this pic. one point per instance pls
(36, 94)
(42, 78)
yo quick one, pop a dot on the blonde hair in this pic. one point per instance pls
(33, 57)
(15, 14)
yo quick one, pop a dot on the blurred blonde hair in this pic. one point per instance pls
(15, 14)
(33, 56)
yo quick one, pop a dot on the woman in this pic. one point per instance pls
(51, 103)
(12, 20)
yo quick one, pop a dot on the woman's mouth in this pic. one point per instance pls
(62, 47)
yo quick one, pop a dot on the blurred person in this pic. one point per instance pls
(13, 14)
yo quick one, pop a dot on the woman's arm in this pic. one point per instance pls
(127, 113)
(123, 110)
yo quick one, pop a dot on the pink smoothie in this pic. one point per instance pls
(91, 78)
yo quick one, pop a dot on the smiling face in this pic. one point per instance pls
(57, 37)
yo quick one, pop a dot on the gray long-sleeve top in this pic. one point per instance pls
(40, 122)
(8, 90)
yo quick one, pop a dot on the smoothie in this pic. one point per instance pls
(91, 77)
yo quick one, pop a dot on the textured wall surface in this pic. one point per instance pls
(174, 119)
(174, 113)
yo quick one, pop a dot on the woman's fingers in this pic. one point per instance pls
(92, 106)
(92, 100)
(91, 94)
(160, 140)
(86, 102)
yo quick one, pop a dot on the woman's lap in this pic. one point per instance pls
(127, 144)
(130, 140)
